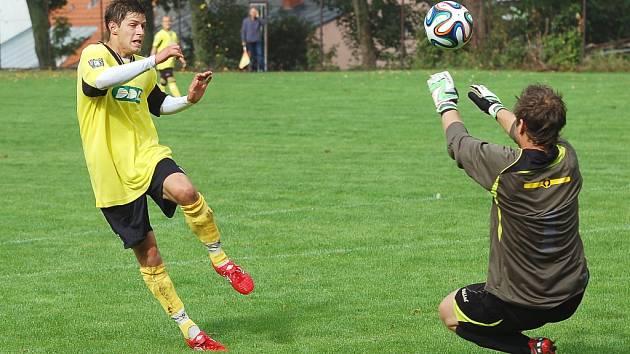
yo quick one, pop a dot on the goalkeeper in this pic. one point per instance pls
(537, 272)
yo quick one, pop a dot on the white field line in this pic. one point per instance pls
(594, 230)
(27, 240)
(229, 217)
(310, 254)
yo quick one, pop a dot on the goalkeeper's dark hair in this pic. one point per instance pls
(117, 10)
(544, 113)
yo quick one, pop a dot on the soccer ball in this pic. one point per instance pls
(449, 25)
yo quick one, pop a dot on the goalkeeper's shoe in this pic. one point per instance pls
(202, 342)
(542, 346)
(240, 280)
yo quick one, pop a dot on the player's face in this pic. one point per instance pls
(130, 33)
(166, 23)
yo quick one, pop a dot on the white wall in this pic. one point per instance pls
(14, 18)
(15, 22)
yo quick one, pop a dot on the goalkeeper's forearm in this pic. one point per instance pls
(119, 74)
(506, 119)
(450, 117)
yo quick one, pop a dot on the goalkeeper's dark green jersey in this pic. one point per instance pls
(536, 254)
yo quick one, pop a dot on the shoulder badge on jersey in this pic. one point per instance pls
(96, 63)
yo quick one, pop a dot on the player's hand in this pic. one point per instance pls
(443, 92)
(173, 50)
(198, 86)
(487, 101)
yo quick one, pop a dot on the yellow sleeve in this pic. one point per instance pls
(175, 38)
(94, 60)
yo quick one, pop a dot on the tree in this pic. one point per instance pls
(383, 17)
(289, 39)
(38, 11)
(364, 33)
(216, 28)
(200, 33)
(61, 42)
(479, 8)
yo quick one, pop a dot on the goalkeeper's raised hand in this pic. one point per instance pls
(443, 92)
(487, 101)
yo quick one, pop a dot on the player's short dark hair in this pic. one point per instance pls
(117, 10)
(544, 113)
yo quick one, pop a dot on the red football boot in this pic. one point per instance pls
(204, 343)
(240, 280)
(542, 345)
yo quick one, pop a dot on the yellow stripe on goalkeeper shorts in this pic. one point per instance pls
(547, 183)
(461, 317)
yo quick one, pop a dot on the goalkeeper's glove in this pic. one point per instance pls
(443, 92)
(487, 101)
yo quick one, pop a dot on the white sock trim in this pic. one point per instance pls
(181, 317)
(214, 247)
(193, 331)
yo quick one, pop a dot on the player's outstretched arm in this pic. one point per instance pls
(481, 160)
(198, 86)
(490, 104)
(197, 89)
(173, 50)
(119, 74)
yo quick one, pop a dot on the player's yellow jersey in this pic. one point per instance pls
(120, 142)
(162, 40)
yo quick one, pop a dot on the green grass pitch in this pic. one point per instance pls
(324, 186)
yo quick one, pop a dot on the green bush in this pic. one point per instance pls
(289, 38)
(532, 34)
(563, 51)
(219, 33)
(314, 56)
(600, 61)
(504, 50)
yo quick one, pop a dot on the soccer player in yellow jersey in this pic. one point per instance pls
(164, 38)
(116, 91)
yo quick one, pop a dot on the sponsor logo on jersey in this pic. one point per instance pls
(96, 63)
(547, 183)
(127, 93)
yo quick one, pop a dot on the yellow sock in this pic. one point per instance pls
(161, 286)
(172, 86)
(201, 221)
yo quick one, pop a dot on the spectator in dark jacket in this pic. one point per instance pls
(251, 39)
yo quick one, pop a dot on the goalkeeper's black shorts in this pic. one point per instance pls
(131, 221)
(479, 311)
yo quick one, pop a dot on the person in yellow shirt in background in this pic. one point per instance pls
(117, 92)
(163, 39)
